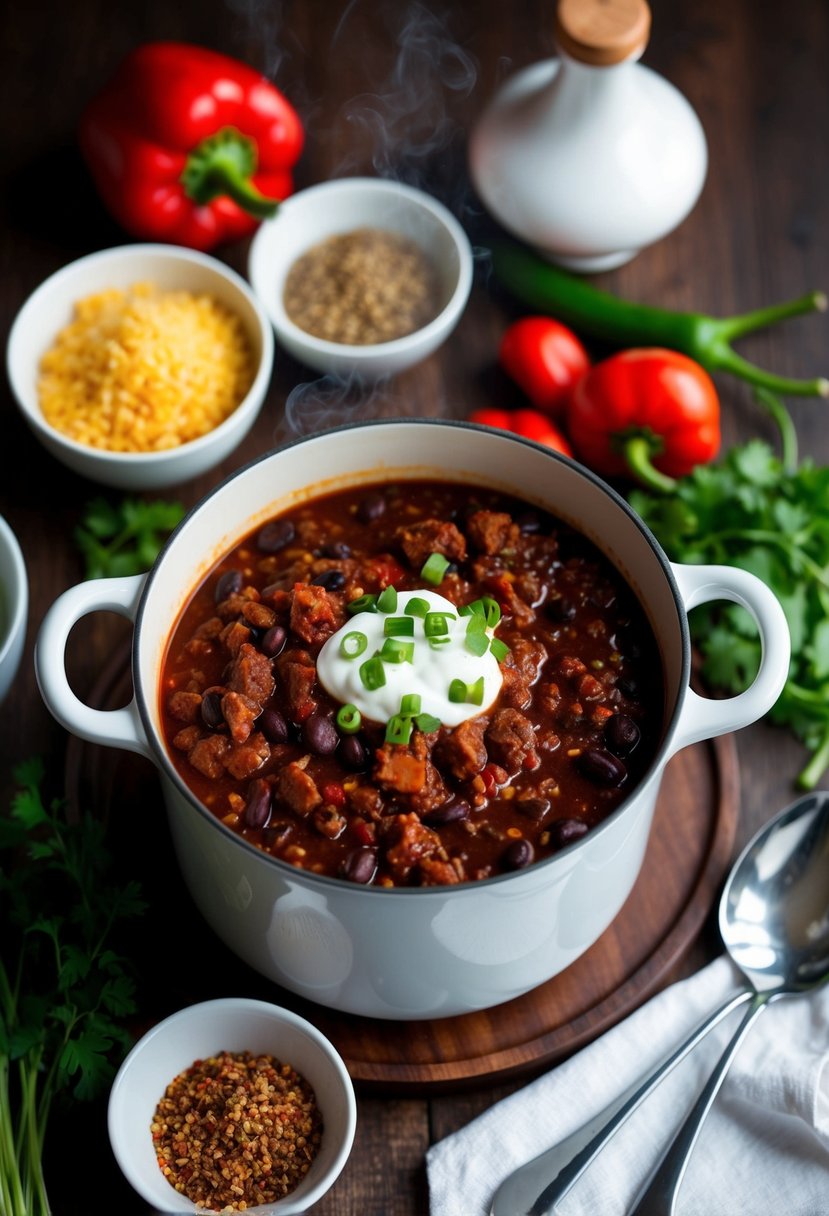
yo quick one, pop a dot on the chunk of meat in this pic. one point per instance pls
(297, 789)
(515, 691)
(510, 741)
(251, 675)
(431, 536)
(297, 676)
(407, 841)
(492, 531)
(234, 636)
(240, 713)
(184, 706)
(462, 752)
(529, 656)
(435, 872)
(398, 768)
(244, 759)
(208, 755)
(315, 613)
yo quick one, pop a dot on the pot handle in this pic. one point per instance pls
(113, 727)
(705, 717)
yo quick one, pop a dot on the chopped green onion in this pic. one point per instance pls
(434, 568)
(492, 611)
(477, 642)
(459, 691)
(395, 651)
(399, 729)
(353, 644)
(437, 623)
(372, 674)
(410, 703)
(476, 608)
(349, 718)
(427, 723)
(416, 606)
(499, 649)
(365, 603)
(441, 639)
(398, 627)
(387, 600)
(476, 623)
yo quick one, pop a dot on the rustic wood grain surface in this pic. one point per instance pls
(756, 75)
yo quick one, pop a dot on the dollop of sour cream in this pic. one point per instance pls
(428, 673)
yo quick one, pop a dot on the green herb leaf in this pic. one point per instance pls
(118, 539)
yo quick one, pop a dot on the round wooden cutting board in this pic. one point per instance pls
(181, 961)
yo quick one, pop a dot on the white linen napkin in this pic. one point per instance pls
(763, 1149)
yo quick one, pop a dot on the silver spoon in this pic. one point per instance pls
(774, 922)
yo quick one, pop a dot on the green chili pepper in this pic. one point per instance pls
(575, 301)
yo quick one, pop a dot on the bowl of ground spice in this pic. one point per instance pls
(232, 1105)
(361, 277)
(141, 366)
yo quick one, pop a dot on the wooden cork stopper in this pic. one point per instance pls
(602, 32)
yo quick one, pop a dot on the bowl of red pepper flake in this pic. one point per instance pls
(232, 1105)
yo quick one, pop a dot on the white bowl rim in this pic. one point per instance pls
(18, 610)
(240, 1006)
(175, 253)
(363, 352)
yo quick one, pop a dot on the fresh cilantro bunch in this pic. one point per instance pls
(124, 538)
(769, 516)
(64, 991)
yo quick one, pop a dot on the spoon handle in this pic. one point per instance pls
(536, 1187)
(660, 1194)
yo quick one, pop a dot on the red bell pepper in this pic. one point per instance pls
(654, 413)
(190, 146)
(532, 424)
(545, 359)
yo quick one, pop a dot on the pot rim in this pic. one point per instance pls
(324, 881)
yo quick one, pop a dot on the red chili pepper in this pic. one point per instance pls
(190, 146)
(651, 412)
(334, 793)
(530, 423)
(545, 359)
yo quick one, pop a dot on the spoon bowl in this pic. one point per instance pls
(774, 922)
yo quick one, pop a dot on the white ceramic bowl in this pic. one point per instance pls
(411, 952)
(14, 606)
(235, 1025)
(169, 267)
(339, 206)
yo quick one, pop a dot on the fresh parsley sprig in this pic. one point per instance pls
(124, 538)
(64, 991)
(770, 516)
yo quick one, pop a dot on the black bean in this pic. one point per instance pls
(560, 609)
(258, 807)
(278, 834)
(273, 641)
(533, 808)
(211, 711)
(372, 507)
(353, 753)
(529, 522)
(273, 726)
(621, 734)
(601, 767)
(517, 855)
(360, 866)
(565, 831)
(228, 584)
(331, 580)
(275, 536)
(629, 685)
(449, 812)
(320, 734)
(337, 549)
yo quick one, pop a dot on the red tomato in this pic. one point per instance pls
(530, 423)
(545, 359)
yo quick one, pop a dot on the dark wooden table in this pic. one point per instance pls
(757, 76)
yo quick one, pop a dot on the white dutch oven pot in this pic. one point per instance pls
(424, 952)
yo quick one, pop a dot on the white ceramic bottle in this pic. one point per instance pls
(590, 156)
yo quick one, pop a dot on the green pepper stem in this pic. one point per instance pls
(788, 433)
(762, 318)
(637, 451)
(723, 358)
(224, 165)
